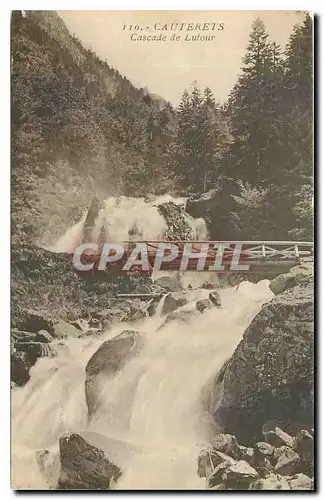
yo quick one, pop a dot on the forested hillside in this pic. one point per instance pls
(79, 128)
(271, 115)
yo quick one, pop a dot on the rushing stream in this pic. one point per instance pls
(152, 407)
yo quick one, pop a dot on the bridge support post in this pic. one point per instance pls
(296, 251)
(263, 251)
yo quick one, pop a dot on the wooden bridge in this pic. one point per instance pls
(276, 250)
(255, 250)
(263, 255)
(219, 256)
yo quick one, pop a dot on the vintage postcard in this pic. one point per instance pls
(162, 198)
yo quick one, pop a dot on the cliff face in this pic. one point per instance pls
(271, 373)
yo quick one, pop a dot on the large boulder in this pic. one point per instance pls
(49, 465)
(270, 375)
(231, 475)
(226, 443)
(110, 316)
(203, 205)
(177, 224)
(107, 361)
(42, 281)
(217, 478)
(277, 437)
(84, 466)
(213, 300)
(304, 445)
(209, 459)
(264, 449)
(173, 301)
(208, 285)
(170, 283)
(203, 305)
(272, 482)
(20, 366)
(21, 336)
(181, 317)
(44, 336)
(34, 350)
(297, 275)
(35, 321)
(300, 482)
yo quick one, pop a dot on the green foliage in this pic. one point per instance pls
(177, 225)
(47, 283)
(250, 211)
(71, 109)
(199, 143)
(251, 108)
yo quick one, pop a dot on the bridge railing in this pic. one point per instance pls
(258, 250)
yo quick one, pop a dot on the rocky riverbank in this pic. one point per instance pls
(50, 301)
(269, 378)
(279, 462)
(271, 373)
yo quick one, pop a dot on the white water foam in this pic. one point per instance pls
(121, 215)
(153, 404)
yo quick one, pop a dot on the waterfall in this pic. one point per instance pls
(124, 218)
(153, 405)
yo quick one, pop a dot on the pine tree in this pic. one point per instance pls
(200, 141)
(250, 108)
(292, 146)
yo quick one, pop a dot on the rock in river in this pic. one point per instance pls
(288, 462)
(304, 445)
(277, 437)
(173, 301)
(84, 466)
(44, 336)
(107, 360)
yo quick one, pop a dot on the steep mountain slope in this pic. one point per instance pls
(78, 127)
